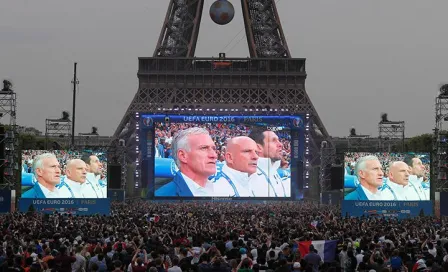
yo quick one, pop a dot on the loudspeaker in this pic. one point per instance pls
(114, 176)
(337, 177)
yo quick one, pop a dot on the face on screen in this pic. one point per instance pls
(417, 168)
(50, 171)
(77, 171)
(399, 173)
(272, 147)
(372, 173)
(242, 155)
(95, 165)
(201, 158)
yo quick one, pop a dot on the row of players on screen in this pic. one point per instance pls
(47, 181)
(266, 179)
(67, 188)
(399, 185)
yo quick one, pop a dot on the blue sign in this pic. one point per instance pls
(5, 201)
(115, 195)
(399, 209)
(294, 122)
(75, 206)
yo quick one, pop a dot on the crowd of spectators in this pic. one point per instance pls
(211, 236)
(220, 133)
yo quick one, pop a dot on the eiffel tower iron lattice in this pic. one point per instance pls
(270, 82)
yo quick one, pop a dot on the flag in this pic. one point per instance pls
(325, 248)
(154, 218)
(314, 223)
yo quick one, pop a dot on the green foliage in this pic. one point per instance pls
(420, 143)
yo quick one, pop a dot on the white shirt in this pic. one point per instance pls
(239, 179)
(266, 182)
(95, 181)
(81, 190)
(56, 193)
(196, 189)
(375, 196)
(417, 183)
(174, 269)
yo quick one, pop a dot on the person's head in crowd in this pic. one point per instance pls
(93, 164)
(370, 173)
(399, 173)
(416, 166)
(241, 154)
(47, 170)
(269, 145)
(76, 170)
(195, 154)
(117, 264)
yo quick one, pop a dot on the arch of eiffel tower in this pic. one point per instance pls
(269, 82)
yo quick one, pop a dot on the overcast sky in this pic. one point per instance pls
(363, 57)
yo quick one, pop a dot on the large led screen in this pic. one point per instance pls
(223, 156)
(387, 176)
(64, 174)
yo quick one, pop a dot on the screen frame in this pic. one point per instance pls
(296, 124)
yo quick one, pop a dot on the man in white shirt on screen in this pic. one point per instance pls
(241, 161)
(266, 182)
(76, 171)
(417, 176)
(94, 171)
(397, 186)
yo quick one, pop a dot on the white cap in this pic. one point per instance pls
(296, 265)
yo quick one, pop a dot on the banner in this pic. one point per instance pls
(400, 209)
(293, 121)
(75, 206)
(5, 201)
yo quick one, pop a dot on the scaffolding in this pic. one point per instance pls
(439, 160)
(327, 160)
(391, 135)
(57, 133)
(9, 142)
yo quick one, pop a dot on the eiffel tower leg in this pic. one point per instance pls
(264, 31)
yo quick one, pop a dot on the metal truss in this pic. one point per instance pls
(58, 131)
(327, 159)
(391, 134)
(439, 179)
(264, 31)
(9, 164)
(180, 29)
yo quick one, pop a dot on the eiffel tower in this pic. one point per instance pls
(270, 82)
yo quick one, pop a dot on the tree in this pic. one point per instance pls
(420, 143)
